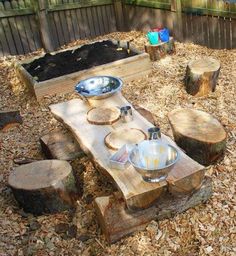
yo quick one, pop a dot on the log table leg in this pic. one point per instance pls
(116, 221)
(201, 76)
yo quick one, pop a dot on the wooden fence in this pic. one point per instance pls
(211, 23)
(27, 25)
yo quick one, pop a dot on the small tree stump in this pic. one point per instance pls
(201, 136)
(158, 51)
(9, 119)
(59, 145)
(46, 186)
(201, 76)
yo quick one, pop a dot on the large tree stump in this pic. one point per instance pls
(158, 51)
(117, 221)
(59, 145)
(201, 136)
(45, 186)
(201, 76)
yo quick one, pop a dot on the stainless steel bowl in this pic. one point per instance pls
(99, 87)
(153, 159)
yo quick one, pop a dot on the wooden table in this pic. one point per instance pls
(185, 176)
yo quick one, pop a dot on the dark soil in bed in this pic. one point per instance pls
(85, 57)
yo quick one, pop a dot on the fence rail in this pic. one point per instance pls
(27, 25)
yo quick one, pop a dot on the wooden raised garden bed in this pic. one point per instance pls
(44, 76)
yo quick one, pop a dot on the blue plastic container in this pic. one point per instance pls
(153, 37)
(164, 35)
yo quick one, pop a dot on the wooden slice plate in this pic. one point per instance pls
(116, 139)
(103, 115)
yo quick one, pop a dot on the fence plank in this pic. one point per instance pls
(29, 34)
(100, 20)
(233, 26)
(53, 29)
(85, 24)
(80, 22)
(22, 34)
(9, 37)
(58, 26)
(105, 20)
(70, 25)
(4, 46)
(95, 20)
(74, 24)
(15, 35)
(90, 22)
(35, 32)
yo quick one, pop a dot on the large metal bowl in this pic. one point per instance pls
(99, 87)
(153, 159)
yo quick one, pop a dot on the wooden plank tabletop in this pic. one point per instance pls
(137, 193)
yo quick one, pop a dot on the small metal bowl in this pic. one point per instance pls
(99, 87)
(153, 159)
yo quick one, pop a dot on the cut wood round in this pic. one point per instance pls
(116, 139)
(103, 115)
(201, 136)
(45, 186)
(201, 76)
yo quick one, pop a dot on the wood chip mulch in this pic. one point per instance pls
(207, 229)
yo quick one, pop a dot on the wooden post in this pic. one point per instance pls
(40, 8)
(120, 18)
(176, 7)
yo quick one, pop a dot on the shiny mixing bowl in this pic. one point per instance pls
(99, 87)
(153, 159)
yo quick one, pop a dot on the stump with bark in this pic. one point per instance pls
(46, 186)
(201, 76)
(60, 145)
(158, 51)
(198, 133)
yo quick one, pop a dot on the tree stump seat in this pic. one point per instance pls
(199, 134)
(46, 186)
(201, 76)
(159, 51)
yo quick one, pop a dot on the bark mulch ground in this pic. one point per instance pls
(208, 229)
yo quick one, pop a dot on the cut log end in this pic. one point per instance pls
(201, 76)
(201, 135)
(45, 186)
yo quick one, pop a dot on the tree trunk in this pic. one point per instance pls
(201, 136)
(201, 76)
(45, 186)
(156, 52)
